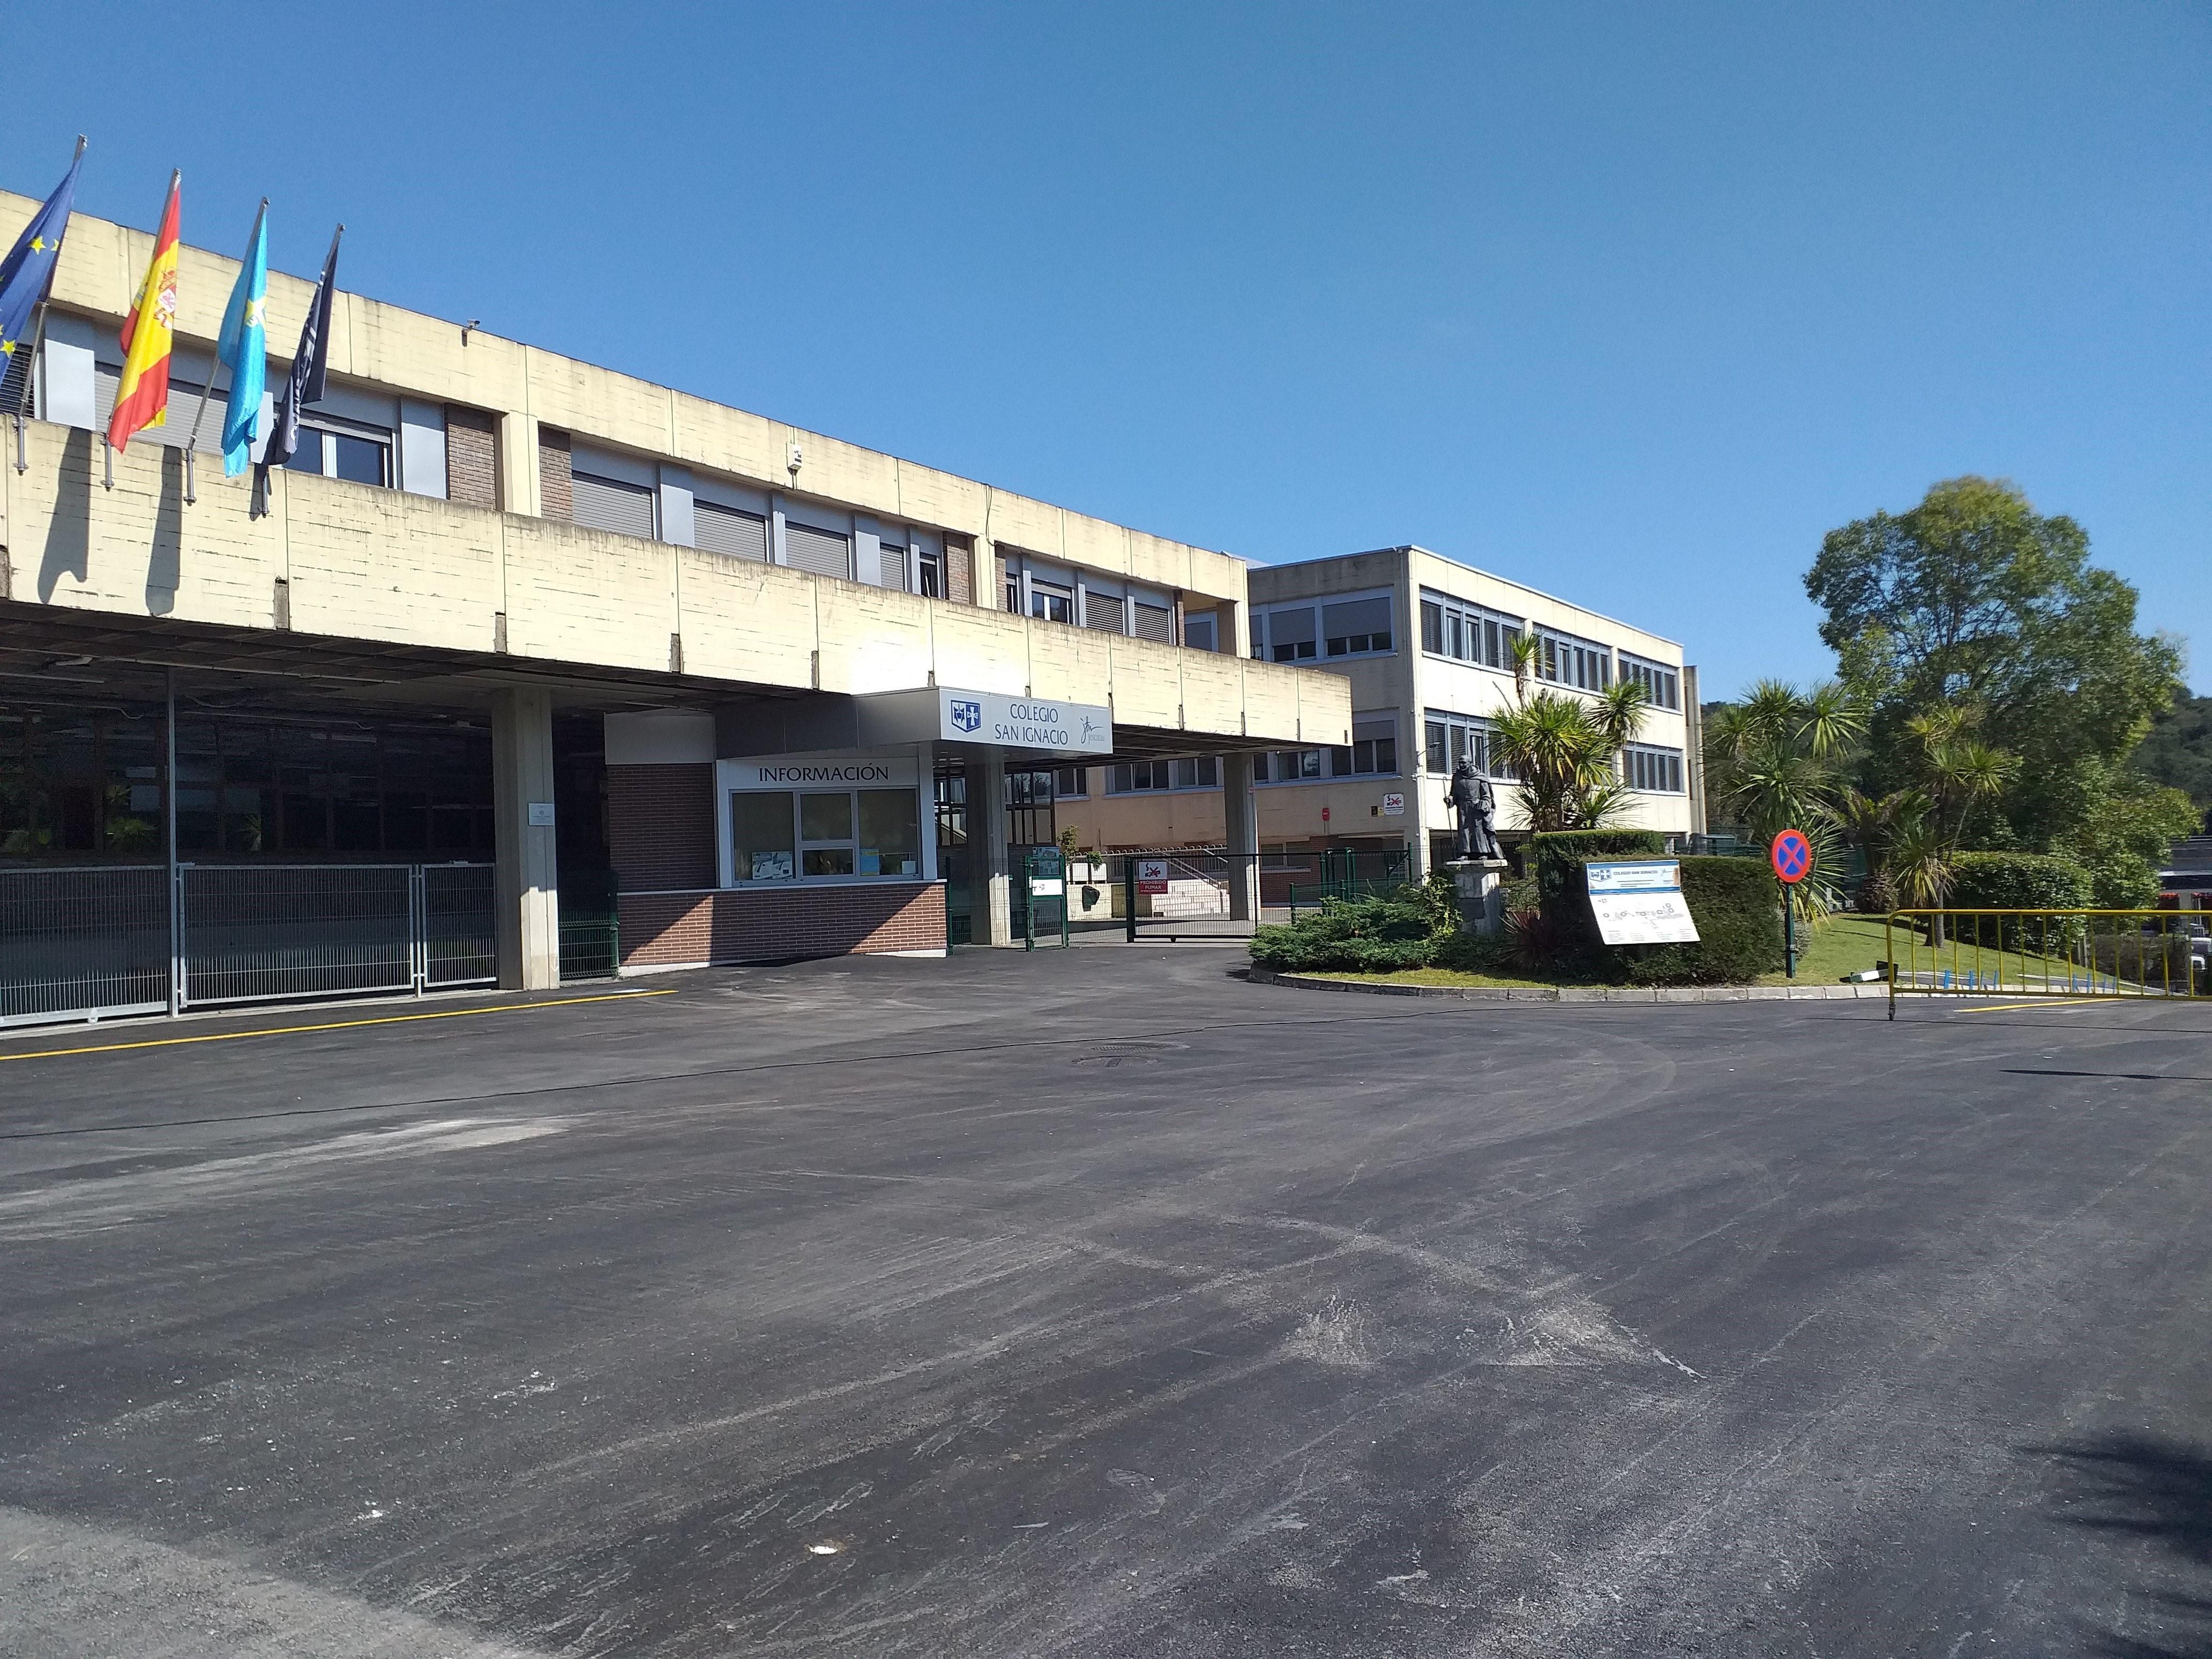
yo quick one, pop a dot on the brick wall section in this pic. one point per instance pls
(472, 457)
(778, 924)
(556, 490)
(661, 827)
(959, 570)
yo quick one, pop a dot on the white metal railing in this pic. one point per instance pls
(92, 942)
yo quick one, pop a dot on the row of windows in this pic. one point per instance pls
(1467, 633)
(1661, 683)
(1053, 594)
(1565, 661)
(1654, 770)
(1371, 756)
(1447, 739)
(1475, 633)
(1190, 772)
(1307, 633)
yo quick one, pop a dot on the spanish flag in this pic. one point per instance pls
(143, 398)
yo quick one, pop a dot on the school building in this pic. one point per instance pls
(519, 653)
(1425, 644)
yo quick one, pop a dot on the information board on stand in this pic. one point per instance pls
(1640, 902)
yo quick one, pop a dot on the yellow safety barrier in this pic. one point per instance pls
(2079, 955)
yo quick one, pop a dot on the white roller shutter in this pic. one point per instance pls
(891, 567)
(825, 552)
(725, 530)
(184, 401)
(609, 504)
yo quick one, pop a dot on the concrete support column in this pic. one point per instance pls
(528, 905)
(1242, 812)
(518, 464)
(990, 892)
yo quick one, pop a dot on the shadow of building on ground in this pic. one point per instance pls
(2152, 1496)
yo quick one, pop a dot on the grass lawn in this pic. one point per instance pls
(1829, 950)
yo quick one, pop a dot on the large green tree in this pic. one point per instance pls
(1973, 600)
(2179, 751)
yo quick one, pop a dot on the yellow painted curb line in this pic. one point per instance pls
(2062, 1002)
(331, 1025)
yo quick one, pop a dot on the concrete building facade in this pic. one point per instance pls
(509, 605)
(1424, 643)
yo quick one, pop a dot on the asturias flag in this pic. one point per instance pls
(242, 347)
(29, 267)
(143, 398)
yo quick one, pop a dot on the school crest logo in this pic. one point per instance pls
(967, 714)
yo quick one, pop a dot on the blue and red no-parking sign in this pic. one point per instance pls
(1792, 856)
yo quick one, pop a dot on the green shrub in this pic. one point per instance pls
(1556, 847)
(1734, 902)
(1369, 935)
(2018, 881)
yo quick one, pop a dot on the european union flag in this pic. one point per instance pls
(29, 267)
(242, 347)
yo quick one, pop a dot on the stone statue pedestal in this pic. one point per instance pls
(1481, 894)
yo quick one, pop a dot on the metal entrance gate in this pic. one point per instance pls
(94, 942)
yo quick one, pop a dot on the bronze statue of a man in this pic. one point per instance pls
(1471, 798)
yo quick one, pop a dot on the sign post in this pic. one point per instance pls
(1791, 855)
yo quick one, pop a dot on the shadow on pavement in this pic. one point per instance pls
(2156, 1492)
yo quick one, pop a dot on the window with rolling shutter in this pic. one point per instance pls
(825, 552)
(1103, 611)
(609, 504)
(1155, 621)
(1356, 627)
(725, 530)
(184, 401)
(890, 566)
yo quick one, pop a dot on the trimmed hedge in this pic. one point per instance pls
(1732, 901)
(1556, 858)
(2018, 881)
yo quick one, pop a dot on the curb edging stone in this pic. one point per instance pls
(1584, 992)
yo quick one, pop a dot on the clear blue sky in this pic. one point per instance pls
(1630, 302)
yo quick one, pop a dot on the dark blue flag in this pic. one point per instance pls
(29, 270)
(310, 365)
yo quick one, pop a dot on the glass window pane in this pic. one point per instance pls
(891, 837)
(1433, 734)
(308, 457)
(825, 817)
(361, 459)
(829, 861)
(760, 837)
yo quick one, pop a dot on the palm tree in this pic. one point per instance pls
(1868, 823)
(1922, 865)
(1564, 752)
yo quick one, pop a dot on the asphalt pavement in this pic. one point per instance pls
(1101, 1303)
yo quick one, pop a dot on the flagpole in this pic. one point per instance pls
(169, 835)
(214, 363)
(38, 330)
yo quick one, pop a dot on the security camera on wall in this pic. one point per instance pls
(798, 459)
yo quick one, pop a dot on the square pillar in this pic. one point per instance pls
(1243, 813)
(528, 908)
(990, 894)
